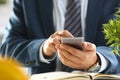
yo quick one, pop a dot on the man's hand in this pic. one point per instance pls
(55, 39)
(78, 59)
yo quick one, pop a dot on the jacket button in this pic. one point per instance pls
(112, 71)
(30, 62)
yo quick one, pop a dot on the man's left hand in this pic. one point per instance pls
(78, 59)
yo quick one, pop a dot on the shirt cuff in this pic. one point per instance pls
(104, 62)
(42, 58)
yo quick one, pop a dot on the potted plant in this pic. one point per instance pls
(112, 32)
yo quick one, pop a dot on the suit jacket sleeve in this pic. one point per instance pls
(113, 60)
(17, 44)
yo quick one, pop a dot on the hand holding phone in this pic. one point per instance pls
(74, 42)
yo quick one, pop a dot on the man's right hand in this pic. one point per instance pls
(55, 39)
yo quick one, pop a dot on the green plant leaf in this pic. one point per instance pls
(112, 33)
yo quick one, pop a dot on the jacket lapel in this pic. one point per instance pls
(92, 19)
(46, 16)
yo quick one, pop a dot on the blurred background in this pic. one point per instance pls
(5, 12)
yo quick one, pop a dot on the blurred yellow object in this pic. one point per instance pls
(9, 70)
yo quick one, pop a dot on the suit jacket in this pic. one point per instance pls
(32, 22)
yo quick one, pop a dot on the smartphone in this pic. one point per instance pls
(75, 42)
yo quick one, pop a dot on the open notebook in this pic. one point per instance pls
(73, 76)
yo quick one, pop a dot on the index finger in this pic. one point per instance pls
(71, 50)
(64, 33)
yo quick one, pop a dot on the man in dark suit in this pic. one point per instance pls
(32, 38)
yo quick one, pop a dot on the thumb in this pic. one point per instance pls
(88, 46)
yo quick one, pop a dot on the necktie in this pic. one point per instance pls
(72, 22)
(73, 17)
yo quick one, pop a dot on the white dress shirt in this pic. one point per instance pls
(59, 10)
